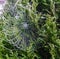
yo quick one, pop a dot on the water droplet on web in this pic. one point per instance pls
(25, 25)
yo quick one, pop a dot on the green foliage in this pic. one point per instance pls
(30, 29)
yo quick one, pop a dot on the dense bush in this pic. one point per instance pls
(30, 29)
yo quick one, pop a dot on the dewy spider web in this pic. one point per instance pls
(17, 31)
(16, 28)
